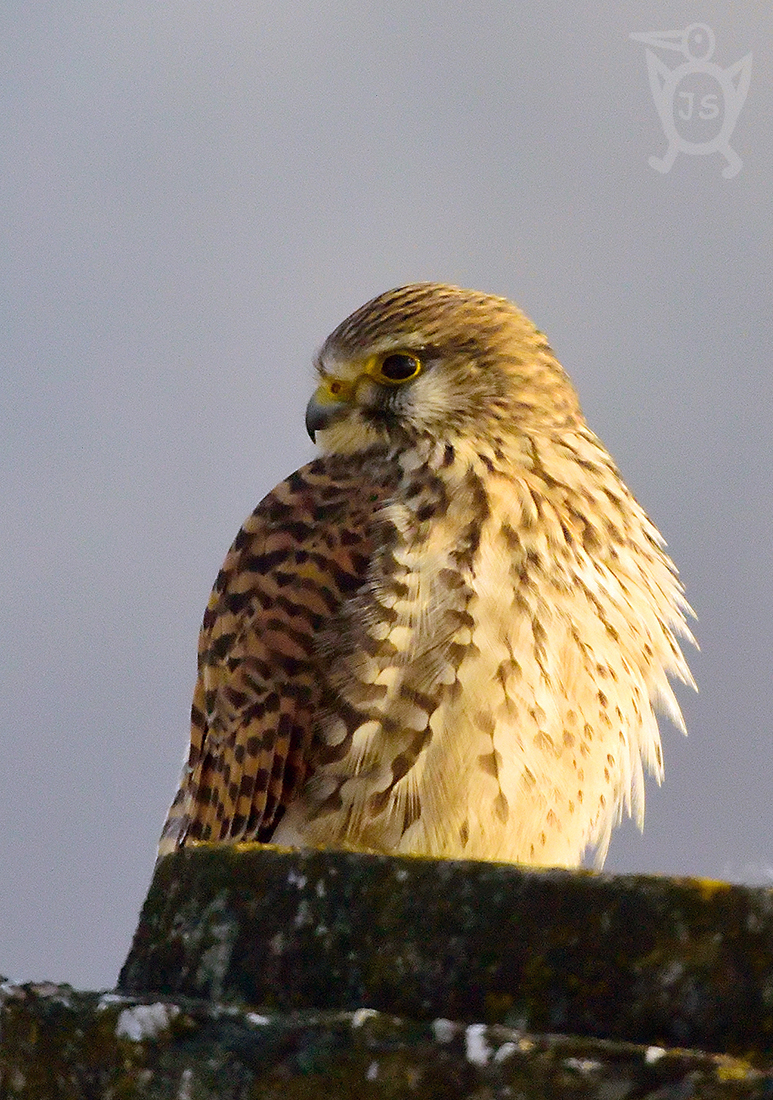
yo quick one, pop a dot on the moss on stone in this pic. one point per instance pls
(262, 974)
(59, 1045)
(646, 959)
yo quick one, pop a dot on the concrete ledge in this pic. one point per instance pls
(634, 959)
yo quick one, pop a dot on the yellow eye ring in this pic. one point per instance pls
(395, 368)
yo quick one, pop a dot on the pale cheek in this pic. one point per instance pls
(430, 405)
(347, 435)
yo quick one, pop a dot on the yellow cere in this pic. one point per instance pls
(390, 369)
(332, 390)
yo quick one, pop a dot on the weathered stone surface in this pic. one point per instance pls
(257, 973)
(644, 960)
(56, 1044)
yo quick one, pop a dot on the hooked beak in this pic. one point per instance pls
(323, 408)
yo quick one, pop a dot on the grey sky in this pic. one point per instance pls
(194, 195)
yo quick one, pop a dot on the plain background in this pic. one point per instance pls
(193, 195)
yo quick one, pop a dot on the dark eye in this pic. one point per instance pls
(399, 367)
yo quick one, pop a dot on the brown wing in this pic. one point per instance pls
(304, 549)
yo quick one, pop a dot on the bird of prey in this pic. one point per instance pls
(448, 634)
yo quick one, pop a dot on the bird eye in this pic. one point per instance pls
(399, 367)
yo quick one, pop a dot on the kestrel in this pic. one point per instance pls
(447, 635)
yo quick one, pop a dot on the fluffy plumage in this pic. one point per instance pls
(445, 636)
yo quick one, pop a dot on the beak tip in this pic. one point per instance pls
(318, 416)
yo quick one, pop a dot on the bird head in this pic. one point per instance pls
(436, 362)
